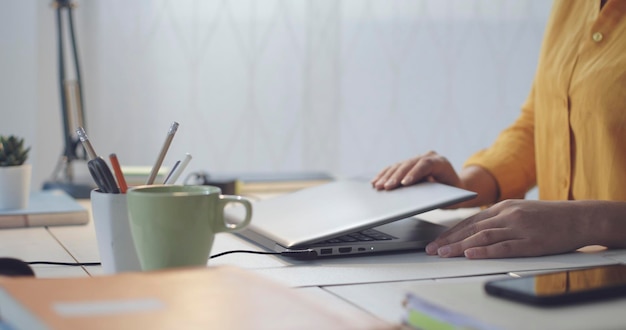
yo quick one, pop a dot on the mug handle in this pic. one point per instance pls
(230, 227)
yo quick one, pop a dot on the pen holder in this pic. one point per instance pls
(115, 242)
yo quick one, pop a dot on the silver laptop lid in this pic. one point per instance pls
(318, 213)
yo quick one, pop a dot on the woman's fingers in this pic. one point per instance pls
(484, 238)
(504, 249)
(391, 176)
(433, 166)
(481, 221)
(411, 171)
(396, 179)
(384, 178)
(379, 180)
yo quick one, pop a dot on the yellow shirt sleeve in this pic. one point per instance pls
(511, 159)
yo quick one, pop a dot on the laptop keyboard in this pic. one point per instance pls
(362, 236)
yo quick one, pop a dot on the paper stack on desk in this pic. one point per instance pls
(46, 208)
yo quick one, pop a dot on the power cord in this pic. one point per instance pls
(63, 263)
(299, 254)
(242, 251)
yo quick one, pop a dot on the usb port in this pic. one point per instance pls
(326, 251)
(345, 249)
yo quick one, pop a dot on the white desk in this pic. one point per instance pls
(37, 244)
(375, 284)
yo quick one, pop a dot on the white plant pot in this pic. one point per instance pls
(14, 186)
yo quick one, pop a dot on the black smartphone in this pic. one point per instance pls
(563, 287)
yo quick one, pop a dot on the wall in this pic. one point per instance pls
(341, 86)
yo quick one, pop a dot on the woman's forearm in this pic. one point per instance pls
(479, 180)
(606, 222)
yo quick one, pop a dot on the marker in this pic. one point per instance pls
(166, 145)
(178, 170)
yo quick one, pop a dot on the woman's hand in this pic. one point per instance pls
(518, 228)
(429, 166)
(434, 167)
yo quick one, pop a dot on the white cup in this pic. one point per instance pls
(115, 242)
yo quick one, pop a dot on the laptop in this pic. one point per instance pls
(347, 217)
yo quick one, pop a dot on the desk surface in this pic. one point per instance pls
(375, 284)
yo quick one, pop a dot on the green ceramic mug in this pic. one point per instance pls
(174, 226)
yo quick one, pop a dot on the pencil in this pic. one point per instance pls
(166, 145)
(118, 173)
(178, 170)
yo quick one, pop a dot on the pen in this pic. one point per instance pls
(178, 170)
(98, 167)
(171, 171)
(166, 145)
(86, 143)
(118, 173)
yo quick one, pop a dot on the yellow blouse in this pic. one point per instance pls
(570, 139)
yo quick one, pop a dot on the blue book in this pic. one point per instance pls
(46, 208)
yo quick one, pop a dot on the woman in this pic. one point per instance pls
(569, 140)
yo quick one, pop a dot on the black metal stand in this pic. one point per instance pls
(72, 111)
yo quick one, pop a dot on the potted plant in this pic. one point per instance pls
(14, 174)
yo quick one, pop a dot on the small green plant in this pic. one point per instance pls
(12, 151)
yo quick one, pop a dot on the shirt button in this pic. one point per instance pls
(597, 37)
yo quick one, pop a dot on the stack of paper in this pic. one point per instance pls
(46, 208)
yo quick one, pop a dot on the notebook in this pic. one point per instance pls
(184, 298)
(46, 208)
(347, 217)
